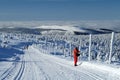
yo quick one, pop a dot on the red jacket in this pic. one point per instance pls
(75, 52)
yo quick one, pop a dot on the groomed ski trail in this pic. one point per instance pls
(38, 66)
(47, 67)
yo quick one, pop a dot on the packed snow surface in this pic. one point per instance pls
(35, 65)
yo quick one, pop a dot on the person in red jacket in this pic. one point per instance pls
(75, 55)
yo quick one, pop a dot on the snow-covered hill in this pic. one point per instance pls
(45, 53)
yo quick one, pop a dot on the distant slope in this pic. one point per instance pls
(52, 29)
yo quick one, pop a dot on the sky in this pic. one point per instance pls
(65, 10)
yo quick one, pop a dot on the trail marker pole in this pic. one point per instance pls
(89, 55)
(111, 47)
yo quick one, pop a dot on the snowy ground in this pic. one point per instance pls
(35, 65)
(49, 56)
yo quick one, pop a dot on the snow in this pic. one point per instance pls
(113, 72)
(35, 65)
(67, 28)
(25, 56)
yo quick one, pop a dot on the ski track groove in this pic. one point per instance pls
(9, 71)
(21, 70)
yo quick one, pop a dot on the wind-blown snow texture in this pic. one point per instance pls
(42, 56)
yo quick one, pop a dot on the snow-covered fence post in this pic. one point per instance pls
(79, 45)
(50, 47)
(111, 47)
(46, 41)
(54, 46)
(71, 49)
(64, 50)
(89, 55)
(79, 50)
(49, 50)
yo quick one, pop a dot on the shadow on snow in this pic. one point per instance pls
(7, 53)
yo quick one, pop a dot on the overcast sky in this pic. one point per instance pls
(59, 10)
